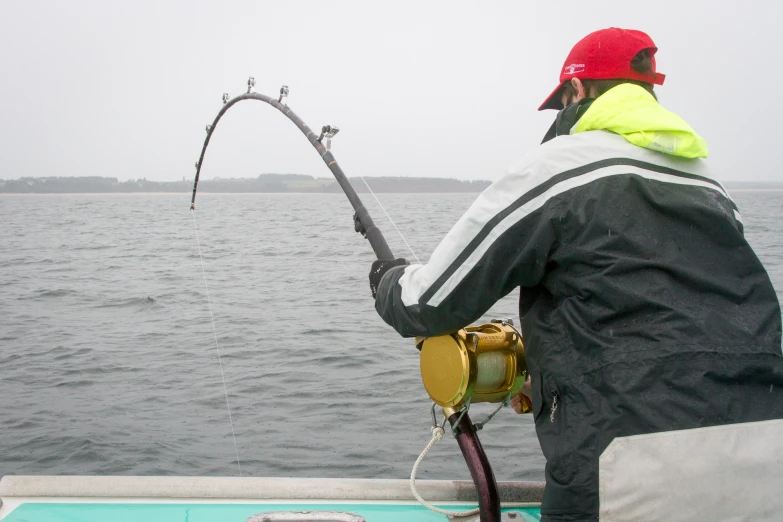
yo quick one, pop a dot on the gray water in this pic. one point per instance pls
(108, 363)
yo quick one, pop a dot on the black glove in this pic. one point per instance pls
(379, 268)
(358, 225)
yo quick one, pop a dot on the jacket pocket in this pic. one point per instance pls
(556, 430)
(550, 398)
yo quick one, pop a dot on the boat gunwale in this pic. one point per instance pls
(255, 488)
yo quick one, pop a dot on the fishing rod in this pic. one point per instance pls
(473, 350)
(369, 230)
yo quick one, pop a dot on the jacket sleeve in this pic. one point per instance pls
(503, 241)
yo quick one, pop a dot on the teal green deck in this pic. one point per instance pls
(103, 512)
(235, 499)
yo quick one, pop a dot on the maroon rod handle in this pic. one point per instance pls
(478, 464)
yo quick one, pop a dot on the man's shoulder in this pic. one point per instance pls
(588, 156)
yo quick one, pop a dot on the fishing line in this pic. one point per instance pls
(217, 345)
(390, 220)
(370, 231)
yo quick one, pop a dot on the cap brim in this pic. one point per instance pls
(553, 100)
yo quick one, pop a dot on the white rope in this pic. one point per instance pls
(217, 346)
(391, 221)
(437, 434)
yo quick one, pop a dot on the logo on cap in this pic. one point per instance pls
(574, 68)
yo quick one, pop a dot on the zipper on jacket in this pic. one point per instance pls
(554, 408)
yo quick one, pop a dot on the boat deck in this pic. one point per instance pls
(213, 499)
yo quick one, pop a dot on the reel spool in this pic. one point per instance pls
(483, 363)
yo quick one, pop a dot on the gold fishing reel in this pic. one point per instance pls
(483, 363)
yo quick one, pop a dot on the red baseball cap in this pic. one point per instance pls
(605, 55)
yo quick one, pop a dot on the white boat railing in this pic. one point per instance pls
(255, 488)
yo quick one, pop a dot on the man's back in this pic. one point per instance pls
(648, 251)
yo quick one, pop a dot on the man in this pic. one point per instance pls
(644, 310)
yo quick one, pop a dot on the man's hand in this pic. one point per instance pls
(522, 402)
(358, 225)
(380, 267)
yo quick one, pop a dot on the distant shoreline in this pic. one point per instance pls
(276, 184)
(263, 184)
(200, 194)
(755, 189)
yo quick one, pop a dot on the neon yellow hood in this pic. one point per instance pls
(634, 114)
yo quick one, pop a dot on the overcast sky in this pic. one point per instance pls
(418, 88)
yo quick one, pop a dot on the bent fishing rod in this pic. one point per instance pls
(370, 231)
(463, 349)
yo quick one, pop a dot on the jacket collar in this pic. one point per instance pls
(633, 113)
